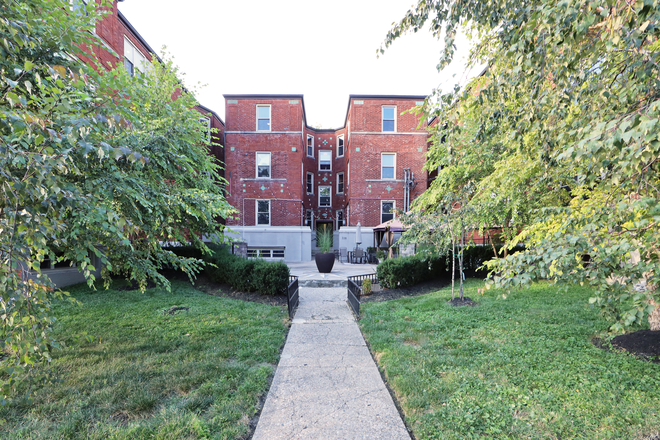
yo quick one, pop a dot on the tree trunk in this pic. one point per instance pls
(453, 265)
(460, 261)
(654, 316)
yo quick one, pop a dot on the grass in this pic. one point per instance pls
(193, 375)
(522, 367)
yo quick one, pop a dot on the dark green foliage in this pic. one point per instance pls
(245, 275)
(408, 271)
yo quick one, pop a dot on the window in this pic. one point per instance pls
(389, 118)
(340, 183)
(340, 145)
(134, 61)
(206, 123)
(263, 118)
(310, 145)
(310, 183)
(324, 197)
(325, 160)
(340, 218)
(79, 6)
(387, 164)
(263, 165)
(386, 210)
(308, 217)
(263, 212)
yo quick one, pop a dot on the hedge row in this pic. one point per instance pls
(408, 271)
(245, 275)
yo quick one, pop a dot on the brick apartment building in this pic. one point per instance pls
(288, 179)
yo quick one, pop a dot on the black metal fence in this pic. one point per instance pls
(292, 295)
(354, 293)
(357, 279)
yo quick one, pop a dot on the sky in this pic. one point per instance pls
(324, 50)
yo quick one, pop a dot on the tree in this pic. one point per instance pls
(91, 165)
(572, 90)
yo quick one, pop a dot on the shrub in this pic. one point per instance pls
(245, 275)
(366, 286)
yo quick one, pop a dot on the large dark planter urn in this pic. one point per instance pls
(324, 262)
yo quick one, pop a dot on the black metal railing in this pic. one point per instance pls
(354, 294)
(357, 279)
(292, 295)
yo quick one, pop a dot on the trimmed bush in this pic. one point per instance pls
(245, 275)
(408, 271)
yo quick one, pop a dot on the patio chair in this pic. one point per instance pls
(343, 254)
(358, 254)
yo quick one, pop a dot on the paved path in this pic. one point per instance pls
(327, 385)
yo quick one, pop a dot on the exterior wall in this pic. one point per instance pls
(368, 142)
(286, 189)
(296, 240)
(286, 186)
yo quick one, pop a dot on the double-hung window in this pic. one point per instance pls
(263, 118)
(386, 210)
(263, 166)
(309, 184)
(310, 145)
(308, 217)
(325, 160)
(324, 197)
(340, 218)
(134, 61)
(263, 212)
(389, 117)
(387, 165)
(340, 145)
(340, 183)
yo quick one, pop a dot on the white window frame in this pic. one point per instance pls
(270, 116)
(381, 166)
(343, 219)
(393, 202)
(330, 153)
(206, 122)
(343, 146)
(256, 212)
(343, 183)
(256, 165)
(382, 118)
(141, 64)
(330, 196)
(308, 146)
(309, 219)
(310, 182)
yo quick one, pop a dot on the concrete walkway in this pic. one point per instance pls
(309, 276)
(327, 385)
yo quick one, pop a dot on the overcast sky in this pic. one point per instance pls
(325, 50)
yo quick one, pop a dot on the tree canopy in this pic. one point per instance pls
(93, 167)
(561, 143)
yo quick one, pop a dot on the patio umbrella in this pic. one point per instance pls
(358, 234)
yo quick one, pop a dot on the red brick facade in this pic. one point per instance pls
(283, 142)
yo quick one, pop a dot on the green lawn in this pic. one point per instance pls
(195, 374)
(522, 367)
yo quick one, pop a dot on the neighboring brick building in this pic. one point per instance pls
(287, 178)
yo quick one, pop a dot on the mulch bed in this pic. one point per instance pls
(405, 292)
(644, 343)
